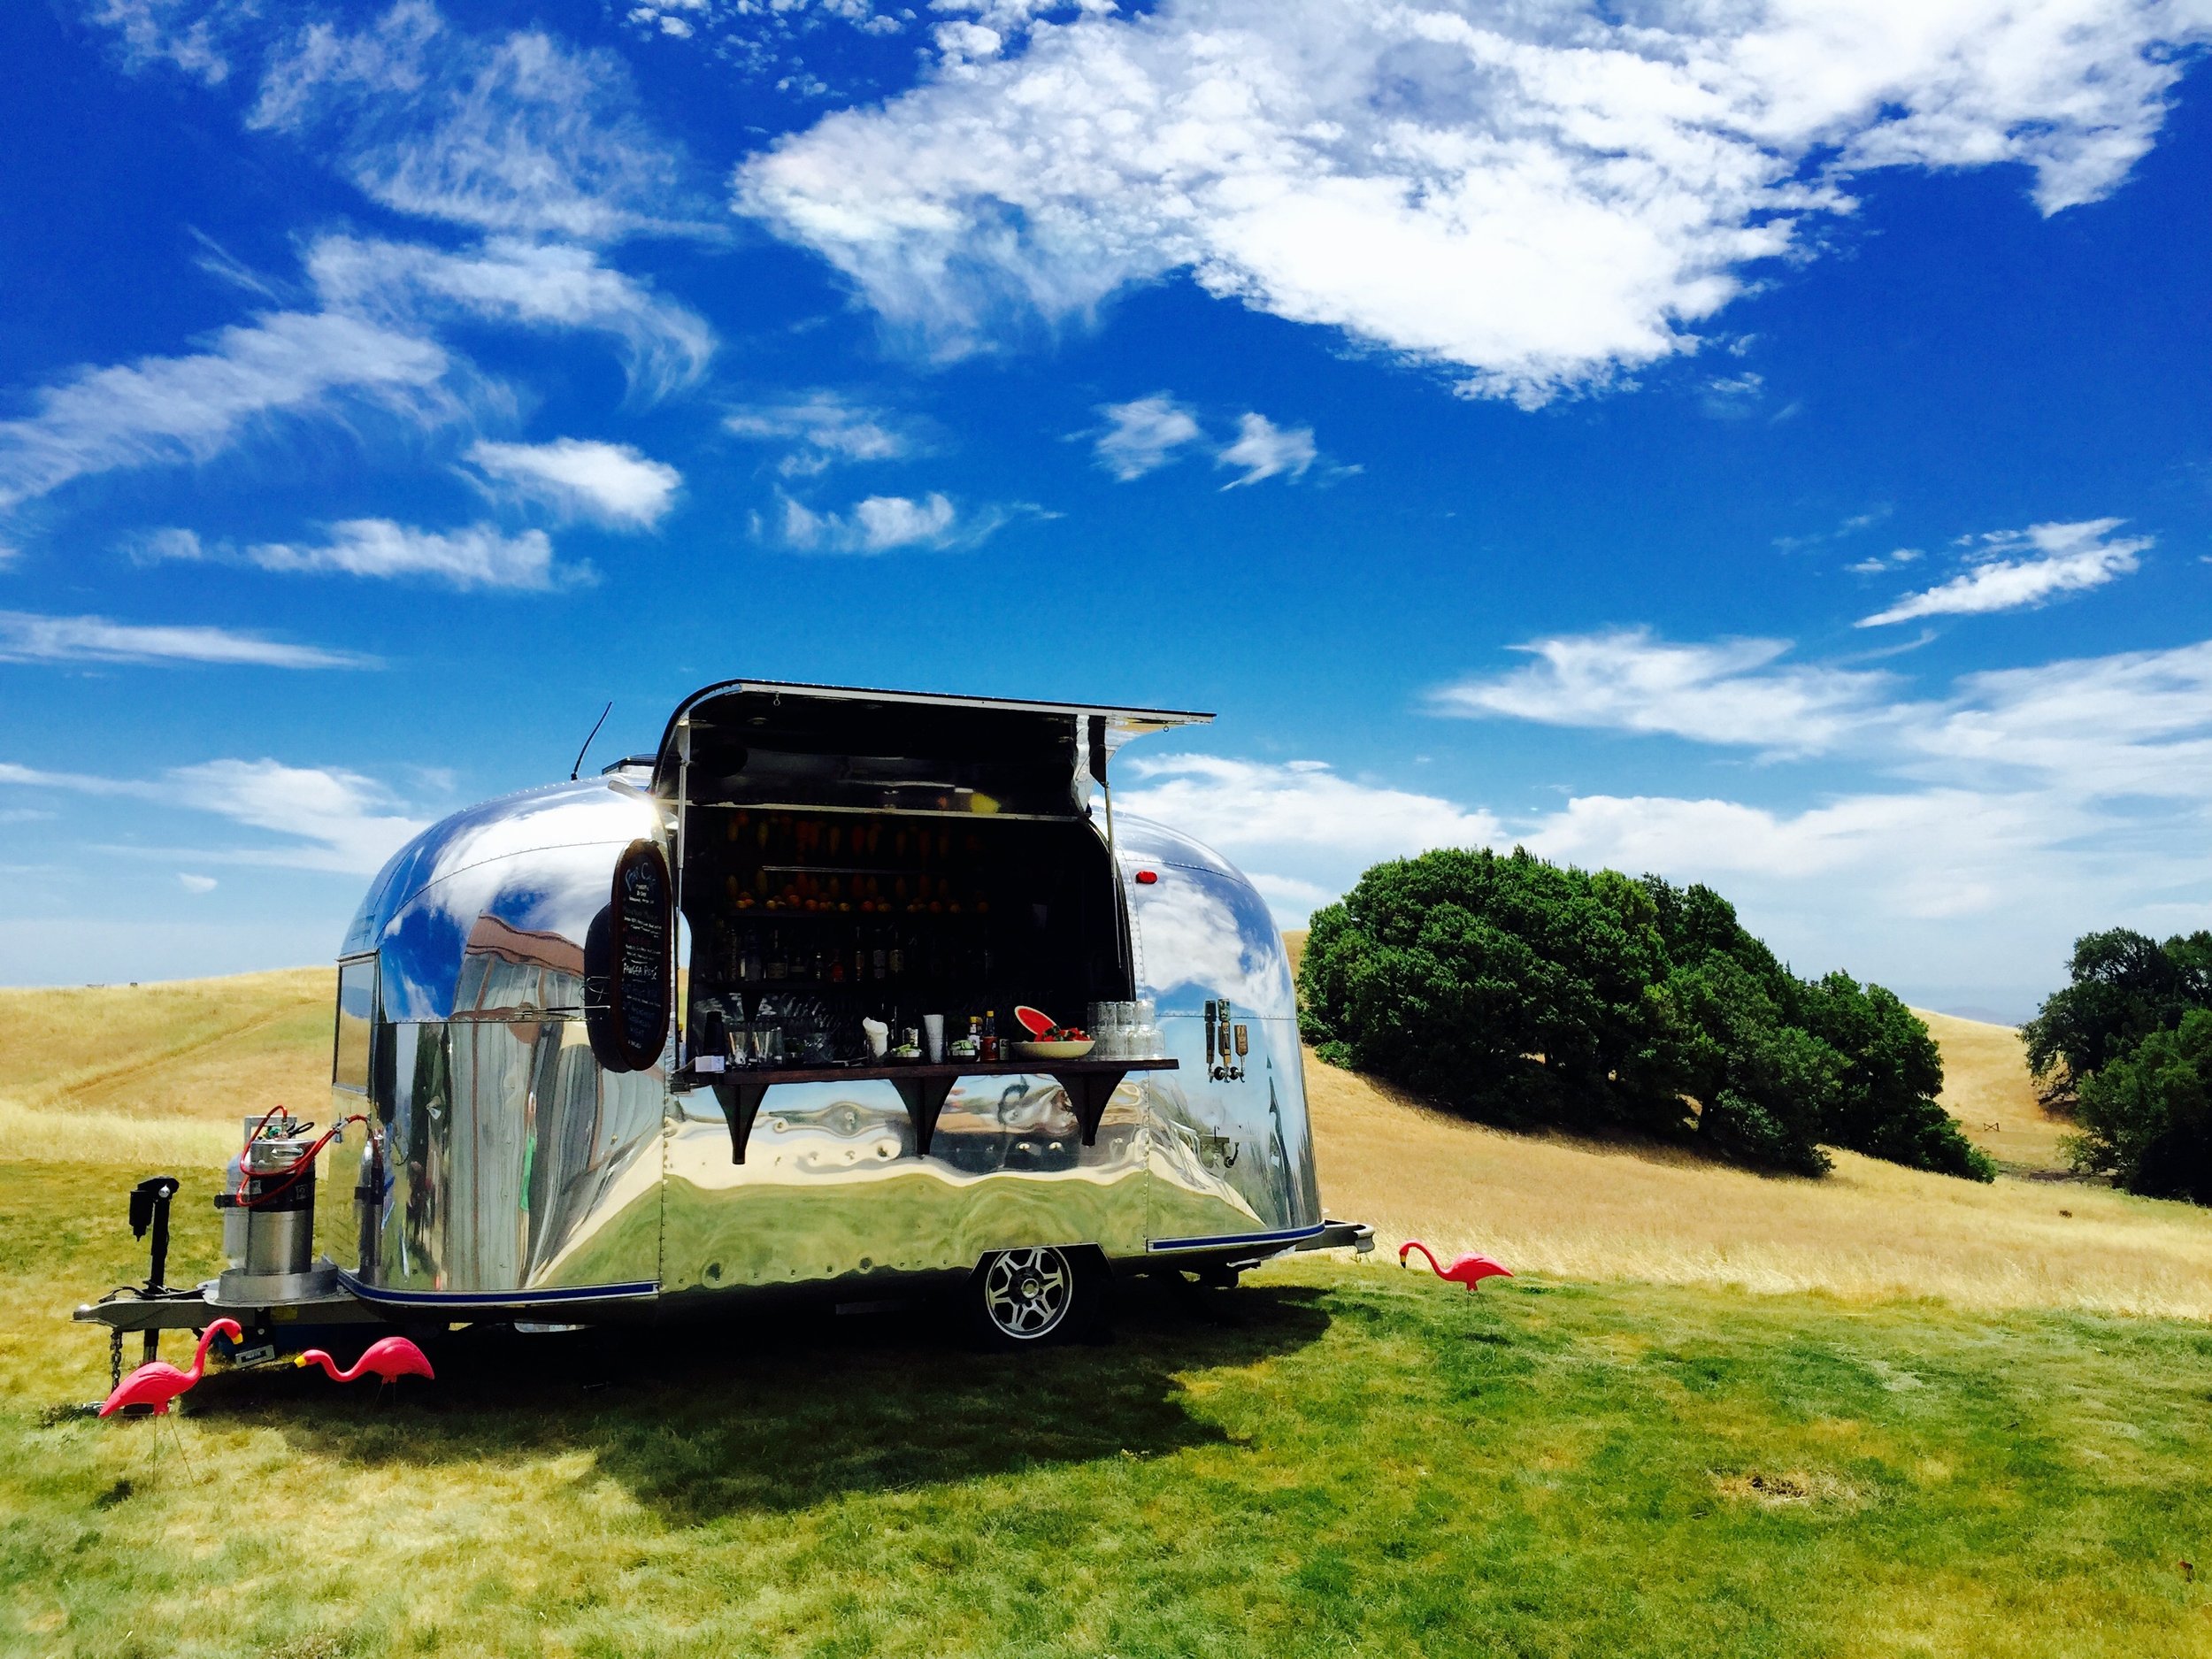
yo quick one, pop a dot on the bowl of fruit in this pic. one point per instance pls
(1049, 1040)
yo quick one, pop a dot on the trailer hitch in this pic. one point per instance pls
(150, 1208)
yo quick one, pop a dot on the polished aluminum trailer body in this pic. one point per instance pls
(516, 1175)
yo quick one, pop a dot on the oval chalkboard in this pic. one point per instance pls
(640, 926)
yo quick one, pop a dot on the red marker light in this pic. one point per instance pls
(1145, 878)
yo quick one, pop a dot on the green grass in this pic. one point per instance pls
(1333, 1460)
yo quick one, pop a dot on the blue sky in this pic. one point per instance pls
(1765, 444)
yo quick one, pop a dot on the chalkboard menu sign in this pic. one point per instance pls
(641, 928)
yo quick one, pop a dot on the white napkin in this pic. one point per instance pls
(878, 1034)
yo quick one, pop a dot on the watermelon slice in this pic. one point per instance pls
(1035, 1021)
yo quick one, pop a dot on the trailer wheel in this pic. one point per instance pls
(1028, 1295)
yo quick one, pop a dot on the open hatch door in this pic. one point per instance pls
(855, 748)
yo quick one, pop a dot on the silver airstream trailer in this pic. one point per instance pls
(736, 1018)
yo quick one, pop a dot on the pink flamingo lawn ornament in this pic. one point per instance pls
(1469, 1269)
(389, 1358)
(158, 1383)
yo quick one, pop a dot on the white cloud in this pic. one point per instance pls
(1144, 434)
(369, 345)
(169, 409)
(1538, 197)
(883, 524)
(479, 556)
(521, 133)
(327, 818)
(2134, 724)
(665, 345)
(183, 34)
(195, 884)
(1289, 897)
(1727, 691)
(2138, 724)
(28, 638)
(1263, 450)
(610, 482)
(2052, 559)
(824, 428)
(2010, 813)
(1243, 807)
(515, 136)
(1883, 564)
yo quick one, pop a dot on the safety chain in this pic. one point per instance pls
(115, 1358)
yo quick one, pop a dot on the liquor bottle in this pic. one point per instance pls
(778, 968)
(748, 960)
(837, 967)
(990, 1036)
(879, 958)
(898, 957)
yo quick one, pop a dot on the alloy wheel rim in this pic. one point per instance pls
(1027, 1292)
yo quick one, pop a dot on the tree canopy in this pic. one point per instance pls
(2126, 1045)
(2121, 986)
(1525, 993)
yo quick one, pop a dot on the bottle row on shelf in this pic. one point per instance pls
(777, 837)
(867, 892)
(870, 955)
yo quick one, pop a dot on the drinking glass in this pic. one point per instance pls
(933, 1038)
(1147, 1020)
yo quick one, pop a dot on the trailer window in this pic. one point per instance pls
(357, 1007)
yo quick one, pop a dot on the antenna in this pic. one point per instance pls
(580, 753)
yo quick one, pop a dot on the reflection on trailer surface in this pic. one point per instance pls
(549, 1005)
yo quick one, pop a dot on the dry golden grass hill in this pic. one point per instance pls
(161, 1073)
(121, 1073)
(1593, 1210)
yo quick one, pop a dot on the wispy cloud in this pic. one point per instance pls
(877, 524)
(2014, 569)
(1724, 691)
(326, 818)
(1882, 564)
(185, 35)
(824, 429)
(885, 524)
(2009, 812)
(28, 638)
(1850, 526)
(186, 409)
(518, 133)
(666, 346)
(610, 482)
(2134, 725)
(372, 345)
(481, 556)
(1264, 450)
(1144, 434)
(539, 146)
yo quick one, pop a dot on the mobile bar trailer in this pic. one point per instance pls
(653, 1043)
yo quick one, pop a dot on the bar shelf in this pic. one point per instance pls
(924, 1086)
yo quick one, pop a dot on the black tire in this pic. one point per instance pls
(1036, 1295)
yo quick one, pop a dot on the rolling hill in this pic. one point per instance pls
(1716, 1412)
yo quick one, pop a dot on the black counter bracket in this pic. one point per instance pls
(1089, 1085)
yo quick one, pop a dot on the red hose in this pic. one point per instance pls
(292, 1171)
